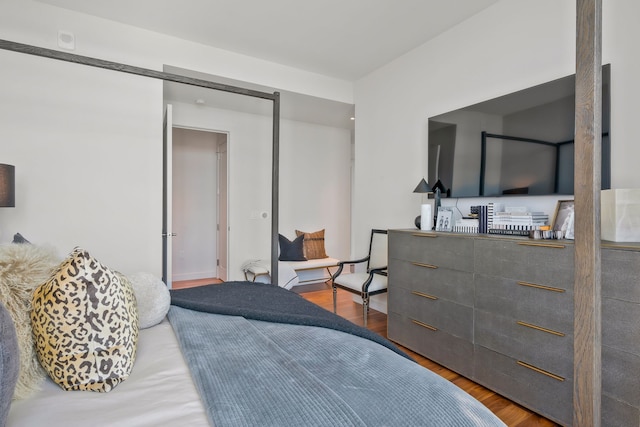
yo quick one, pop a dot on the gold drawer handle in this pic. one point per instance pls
(424, 325)
(425, 235)
(422, 294)
(543, 245)
(420, 264)
(540, 328)
(540, 371)
(546, 288)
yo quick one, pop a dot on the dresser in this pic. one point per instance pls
(499, 310)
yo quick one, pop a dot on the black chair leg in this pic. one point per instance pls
(335, 296)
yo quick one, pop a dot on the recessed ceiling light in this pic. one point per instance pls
(200, 101)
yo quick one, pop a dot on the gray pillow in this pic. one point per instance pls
(9, 362)
(291, 250)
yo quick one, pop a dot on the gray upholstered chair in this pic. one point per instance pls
(373, 281)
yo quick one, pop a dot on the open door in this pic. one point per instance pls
(167, 189)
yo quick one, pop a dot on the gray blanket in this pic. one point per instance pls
(256, 373)
(270, 303)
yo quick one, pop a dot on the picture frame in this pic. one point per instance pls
(444, 220)
(563, 218)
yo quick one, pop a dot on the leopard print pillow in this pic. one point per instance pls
(85, 325)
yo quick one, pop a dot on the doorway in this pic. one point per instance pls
(199, 205)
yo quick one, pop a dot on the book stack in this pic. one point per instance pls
(518, 221)
(492, 208)
(483, 219)
(481, 214)
(466, 225)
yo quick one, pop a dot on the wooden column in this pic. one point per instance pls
(587, 296)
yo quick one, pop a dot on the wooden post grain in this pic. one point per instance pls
(587, 293)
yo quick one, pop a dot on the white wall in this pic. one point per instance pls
(314, 180)
(513, 45)
(315, 183)
(87, 142)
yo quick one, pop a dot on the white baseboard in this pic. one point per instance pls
(313, 276)
(377, 302)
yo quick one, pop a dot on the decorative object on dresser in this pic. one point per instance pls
(372, 281)
(438, 191)
(621, 215)
(563, 218)
(424, 220)
(499, 310)
(444, 221)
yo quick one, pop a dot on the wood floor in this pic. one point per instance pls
(192, 283)
(509, 412)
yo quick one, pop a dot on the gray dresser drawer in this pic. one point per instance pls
(544, 263)
(432, 312)
(621, 275)
(620, 375)
(548, 396)
(617, 413)
(452, 285)
(443, 348)
(454, 252)
(526, 302)
(532, 342)
(621, 325)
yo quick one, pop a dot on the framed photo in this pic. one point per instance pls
(563, 218)
(444, 221)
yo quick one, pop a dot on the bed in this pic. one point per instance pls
(251, 354)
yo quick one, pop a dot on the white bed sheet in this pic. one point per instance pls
(159, 392)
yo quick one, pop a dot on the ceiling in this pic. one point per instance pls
(345, 39)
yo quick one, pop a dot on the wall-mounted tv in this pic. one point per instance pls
(521, 143)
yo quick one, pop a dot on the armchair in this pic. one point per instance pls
(371, 282)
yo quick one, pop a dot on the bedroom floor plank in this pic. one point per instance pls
(509, 412)
(183, 284)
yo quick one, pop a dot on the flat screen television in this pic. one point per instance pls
(521, 143)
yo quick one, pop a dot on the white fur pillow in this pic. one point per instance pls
(153, 298)
(23, 268)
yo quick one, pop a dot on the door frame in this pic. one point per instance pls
(222, 204)
(167, 195)
(219, 244)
